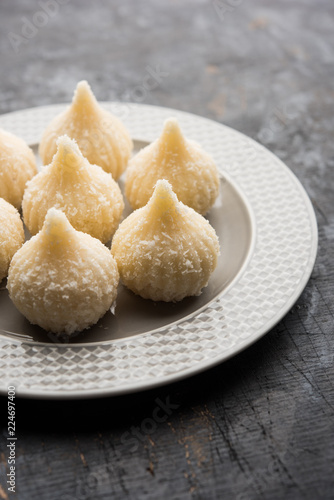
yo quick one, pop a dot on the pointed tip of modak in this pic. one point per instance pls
(83, 97)
(163, 188)
(171, 125)
(83, 85)
(163, 199)
(172, 135)
(68, 152)
(55, 224)
(64, 141)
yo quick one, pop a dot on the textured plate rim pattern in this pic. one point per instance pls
(272, 280)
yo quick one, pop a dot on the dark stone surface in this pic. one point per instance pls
(260, 426)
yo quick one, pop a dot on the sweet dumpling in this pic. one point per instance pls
(17, 166)
(90, 197)
(189, 169)
(101, 137)
(11, 235)
(61, 279)
(165, 250)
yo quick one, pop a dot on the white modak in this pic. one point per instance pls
(90, 197)
(17, 166)
(11, 235)
(165, 251)
(61, 279)
(101, 136)
(189, 169)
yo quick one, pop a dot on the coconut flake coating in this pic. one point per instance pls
(90, 197)
(189, 169)
(11, 235)
(61, 279)
(165, 250)
(102, 137)
(17, 166)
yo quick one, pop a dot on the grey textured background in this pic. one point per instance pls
(260, 426)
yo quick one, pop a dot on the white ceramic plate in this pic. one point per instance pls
(268, 238)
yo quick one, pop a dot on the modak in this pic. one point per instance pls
(90, 197)
(11, 235)
(165, 251)
(189, 169)
(102, 137)
(61, 279)
(17, 166)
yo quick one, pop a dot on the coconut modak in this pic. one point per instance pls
(165, 251)
(11, 235)
(90, 197)
(61, 279)
(102, 137)
(189, 169)
(17, 166)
